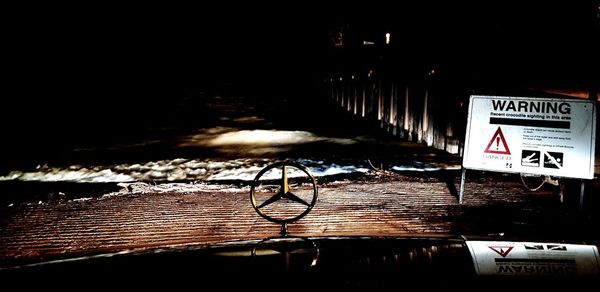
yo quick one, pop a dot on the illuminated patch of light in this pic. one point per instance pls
(387, 38)
(368, 43)
(225, 140)
(262, 137)
(271, 137)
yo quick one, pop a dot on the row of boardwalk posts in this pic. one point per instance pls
(416, 112)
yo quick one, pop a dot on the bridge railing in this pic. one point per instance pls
(422, 112)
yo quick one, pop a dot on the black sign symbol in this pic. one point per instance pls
(530, 158)
(556, 247)
(553, 160)
(534, 246)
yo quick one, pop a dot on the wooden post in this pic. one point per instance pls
(461, 193)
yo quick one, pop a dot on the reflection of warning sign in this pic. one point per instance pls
(534, 246)
(556, 247)
(553, 160)
(534, 259)
(530, 158)
(501, 250)
(498, 144)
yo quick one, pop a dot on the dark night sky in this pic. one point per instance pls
(204, 39)
(121, 54)
(101, 64)
(118, 49)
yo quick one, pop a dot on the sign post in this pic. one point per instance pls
(545, 136)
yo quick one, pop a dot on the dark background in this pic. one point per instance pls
(76, 74)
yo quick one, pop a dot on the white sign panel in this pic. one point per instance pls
(531, 135)
(506, 258)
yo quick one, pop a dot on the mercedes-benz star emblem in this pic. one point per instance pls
(283, 193)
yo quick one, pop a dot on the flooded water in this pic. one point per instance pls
(231, 138)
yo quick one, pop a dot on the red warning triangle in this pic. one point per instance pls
(494, 145)
(501, 250)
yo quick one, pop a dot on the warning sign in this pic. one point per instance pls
(546, 136)
(500, 144)
(530, 258)
(501, 250)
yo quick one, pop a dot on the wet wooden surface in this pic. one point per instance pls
(145, 220)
